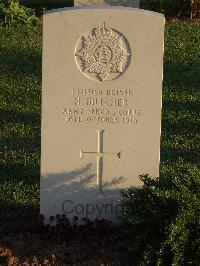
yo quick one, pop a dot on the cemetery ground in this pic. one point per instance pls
(21, 238)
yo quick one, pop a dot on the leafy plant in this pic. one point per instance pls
(41, 5)
(13, 14)
(163, 218)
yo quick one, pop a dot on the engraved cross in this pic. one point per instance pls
(100, 154)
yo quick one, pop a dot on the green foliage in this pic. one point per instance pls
(163, 217)
(169, 7)
(26, 9)
(14, 14)
(40, 5)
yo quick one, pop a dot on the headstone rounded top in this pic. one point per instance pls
(127, 3)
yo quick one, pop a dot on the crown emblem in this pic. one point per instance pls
(102, 52)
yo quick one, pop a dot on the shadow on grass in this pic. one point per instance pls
(172, 154)
(181, 106)
(17, 218)
(180, 111)
(16, 150)
(20, 61)
(180, 73)
(11, 116)
(16, 171)
(67, 190)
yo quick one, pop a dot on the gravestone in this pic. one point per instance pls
(127, 3)
(101, 107)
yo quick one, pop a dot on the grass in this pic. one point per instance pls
(181, 96)
(20, 101)
(20, 106)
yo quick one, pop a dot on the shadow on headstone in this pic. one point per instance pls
(73, 190)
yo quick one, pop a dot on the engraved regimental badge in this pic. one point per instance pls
(103, 53)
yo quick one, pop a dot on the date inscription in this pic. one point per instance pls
(111, 106)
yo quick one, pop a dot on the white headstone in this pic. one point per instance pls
(101, 107)
(127, 3)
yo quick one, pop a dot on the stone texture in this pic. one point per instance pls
(101, 107)
(127, 3)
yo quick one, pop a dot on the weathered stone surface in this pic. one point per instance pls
(101, 107)
(127, 3)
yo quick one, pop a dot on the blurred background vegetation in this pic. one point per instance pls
(173, 8)
(183, 9)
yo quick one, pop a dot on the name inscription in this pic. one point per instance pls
(109, 106)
